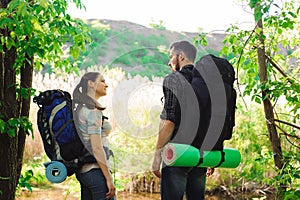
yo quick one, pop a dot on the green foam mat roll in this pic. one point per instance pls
(188, 156)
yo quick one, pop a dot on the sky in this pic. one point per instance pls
(184, 15)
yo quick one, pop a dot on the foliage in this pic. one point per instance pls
(241, 42)
(31, 175)
(36, 29)
(14, 124)
(100, 34)
(281, 26)
(282, 85)
(32, 34)
(24, 180)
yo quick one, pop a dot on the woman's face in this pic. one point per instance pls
(100, 86)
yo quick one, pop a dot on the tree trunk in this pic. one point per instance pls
(268, 108)
(26, 82)
(12, 147)
(9, 109)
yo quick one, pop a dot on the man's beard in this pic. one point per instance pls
(177, 67)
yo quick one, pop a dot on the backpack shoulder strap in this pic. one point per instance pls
(53, 114)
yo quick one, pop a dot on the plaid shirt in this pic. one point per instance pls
(173, 89)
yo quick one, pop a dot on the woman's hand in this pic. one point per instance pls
(111, 189)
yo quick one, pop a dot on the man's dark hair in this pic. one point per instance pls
(186, 47)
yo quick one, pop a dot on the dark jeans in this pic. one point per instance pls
(93, 185)
(177, 181)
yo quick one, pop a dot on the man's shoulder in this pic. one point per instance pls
(173, 76)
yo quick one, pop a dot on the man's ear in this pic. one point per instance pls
(181, 56)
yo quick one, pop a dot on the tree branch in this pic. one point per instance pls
(278, 68)
(289, 135)
(287, 123)
(238, 63)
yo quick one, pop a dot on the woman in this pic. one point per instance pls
(95, 178)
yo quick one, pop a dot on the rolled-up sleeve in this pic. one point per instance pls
(170, 90)
(94, 122)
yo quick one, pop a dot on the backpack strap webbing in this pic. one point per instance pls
(222, 159)
(200, 161)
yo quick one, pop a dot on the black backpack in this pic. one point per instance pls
(211, 68)
(58, 132)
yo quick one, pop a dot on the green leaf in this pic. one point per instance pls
(44, 3)
(253, 3)
(10, 43)
(225, 50)
(256, 78)
(266, 9)
(27, 126)
(74, 51)
(13, 5)
(258, 14)
(11, 132)
(28, 175)
(22, 9)
(2, 126)
(24, 180)
(12, 122)
(36, 25)
(293, 14)
(28, 186)
(4, 22)
(28, 28)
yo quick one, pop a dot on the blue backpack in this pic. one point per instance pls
(58, 132)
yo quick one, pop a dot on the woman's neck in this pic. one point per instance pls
(92, 94)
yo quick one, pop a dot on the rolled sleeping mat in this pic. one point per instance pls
(188, 156)
(56, 172)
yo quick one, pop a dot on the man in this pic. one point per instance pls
(180, 124)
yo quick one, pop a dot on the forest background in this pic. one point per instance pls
(133, 60)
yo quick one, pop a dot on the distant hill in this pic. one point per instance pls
(135, 48)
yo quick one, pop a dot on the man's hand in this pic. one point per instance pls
(156, 164)
(210, 171)
(166, 128)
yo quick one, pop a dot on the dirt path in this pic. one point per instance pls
(57, 193)
(61, 193)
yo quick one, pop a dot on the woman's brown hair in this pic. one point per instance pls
(80, 96)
